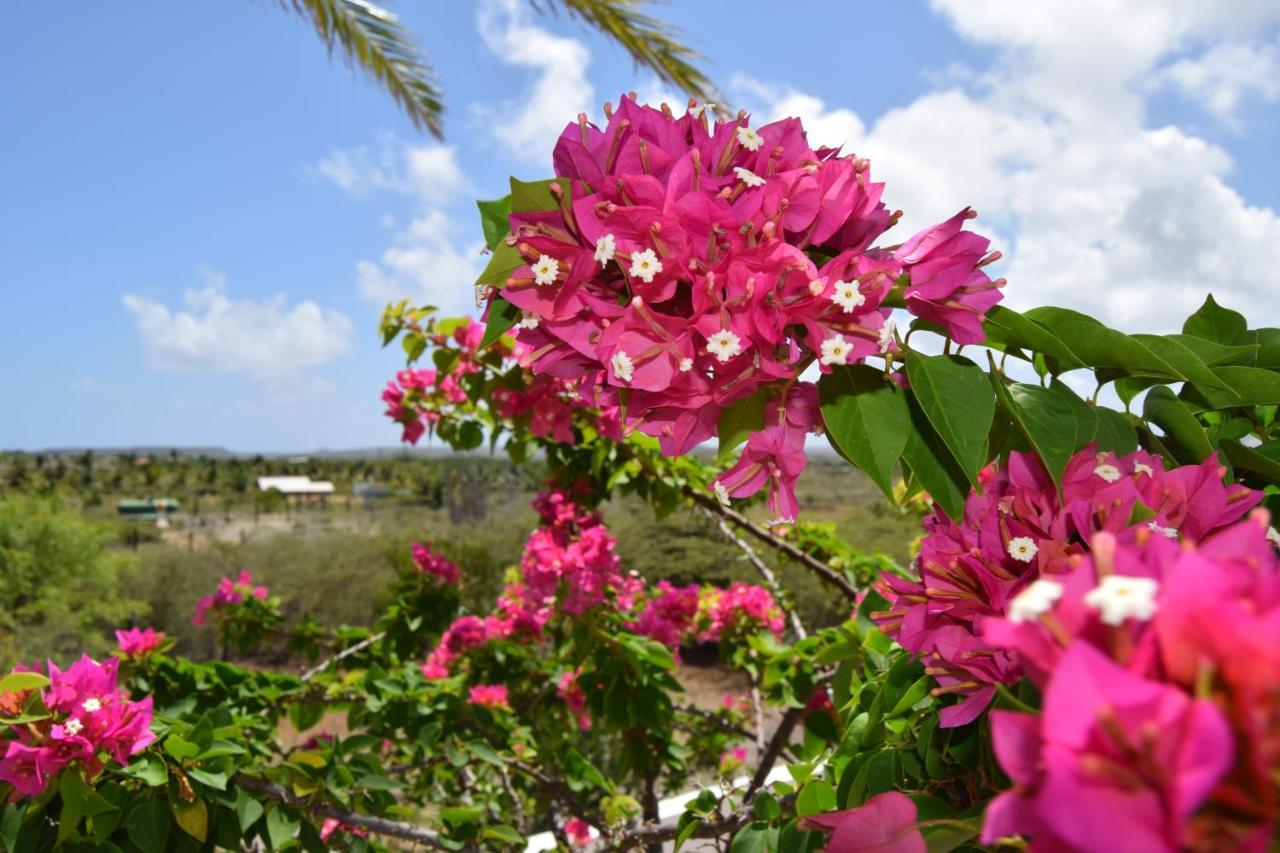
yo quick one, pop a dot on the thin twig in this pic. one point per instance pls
(382, 826)
(811, 563)
(770, 579)
(771, 752)
(345, 653)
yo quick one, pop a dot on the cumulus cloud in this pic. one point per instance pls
(1094, 208)
(267, 339)
(1226, 75)
(434, 258)
(529, 124)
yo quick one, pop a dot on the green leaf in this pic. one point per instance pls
(147, 823)
(932, 464)
(1099, 346)
(180, 748)
(248, 810)
(867, 420)
(1215, 323)
(1248, 386)
(815, 798)
(752, 838)
(1182, 359)
(193, 818)
(766, 806)
(1004, 325)
(502, 316)
(956, 397)
(1249, 459)
(1219, 355)
(1172, 415)
(741, 418)
(493, 220)
(19, 681)
(150, 769)
(212, 778)
(502, 832)
(281, 826)
(528, 196)
(79, 796)
(461, 814)
(1047, 419)
(484, 752)
(502, 263)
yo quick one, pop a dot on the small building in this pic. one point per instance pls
(295, 485)
(148, 509)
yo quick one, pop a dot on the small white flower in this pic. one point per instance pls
(722, 494)
(724, 345)
(73, 726)
(816, 287)
(1119, 598)
(546, 270)
(1023, 549)
(606, 248)
(1108, 472)
(1171, 532)
(1142, 468)
(528, 320)
(1034, 601)
(698, 110)
(887, 339)
(835, 350)
(645, 265)
(748, 177)
(847, 295)
(749, 139)
(686, 364)
(1273, 536)
(623, 367)
(90, 705)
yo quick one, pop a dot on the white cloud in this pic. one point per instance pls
(1225, 75)
(268, 339)
(530, 124)
(435, 258)
(1094, 208)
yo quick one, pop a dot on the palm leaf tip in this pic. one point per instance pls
(373, 38)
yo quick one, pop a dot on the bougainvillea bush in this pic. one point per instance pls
(1082, 654)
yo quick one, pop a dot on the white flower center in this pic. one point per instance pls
(645, 265)
(623, 366)
(816, 287)
(749, 139)
(835, 350)
(722, 494)
(546, 270)
(887, 341)
(1023, 549)
(1034, 601)
(724, 345)
(748, 177)
(606, 248)
(73, 726)
(1108, 472)
(847, 295)
(1142, 468)
(1119, 598)
(528, 320)
(90, 705)
(686, 364)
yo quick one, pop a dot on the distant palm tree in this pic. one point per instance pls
(374, 39)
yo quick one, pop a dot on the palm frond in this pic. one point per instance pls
(374, 39)
(651, 42)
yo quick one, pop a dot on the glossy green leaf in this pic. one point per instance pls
(18, 681)
(1218, 355)
(1047, 419)
(932, 464)
(193, 819)
(281, 826)
(502, 316)
(77, 794)
(527, 196)
(1249, 459)
(955, 395)
(147, 823)
(248, 810)
(493, 220)
(1215, 323)
(816, 797)
(150, 768)
(502, 263)
(1097, 345)
(1179, 424)
(867, 420)
(1008, 326)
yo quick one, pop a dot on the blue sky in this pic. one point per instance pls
(201, 214)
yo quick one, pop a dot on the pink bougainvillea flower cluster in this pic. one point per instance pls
(1160, 668)
(91, 720)
(434, 564)
(578, 831)
(571, 693)
(1018, 530)
(488, 696)
(332, 826)
(138, 643)
(692, 263)
(743, 607)
(228, 594)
